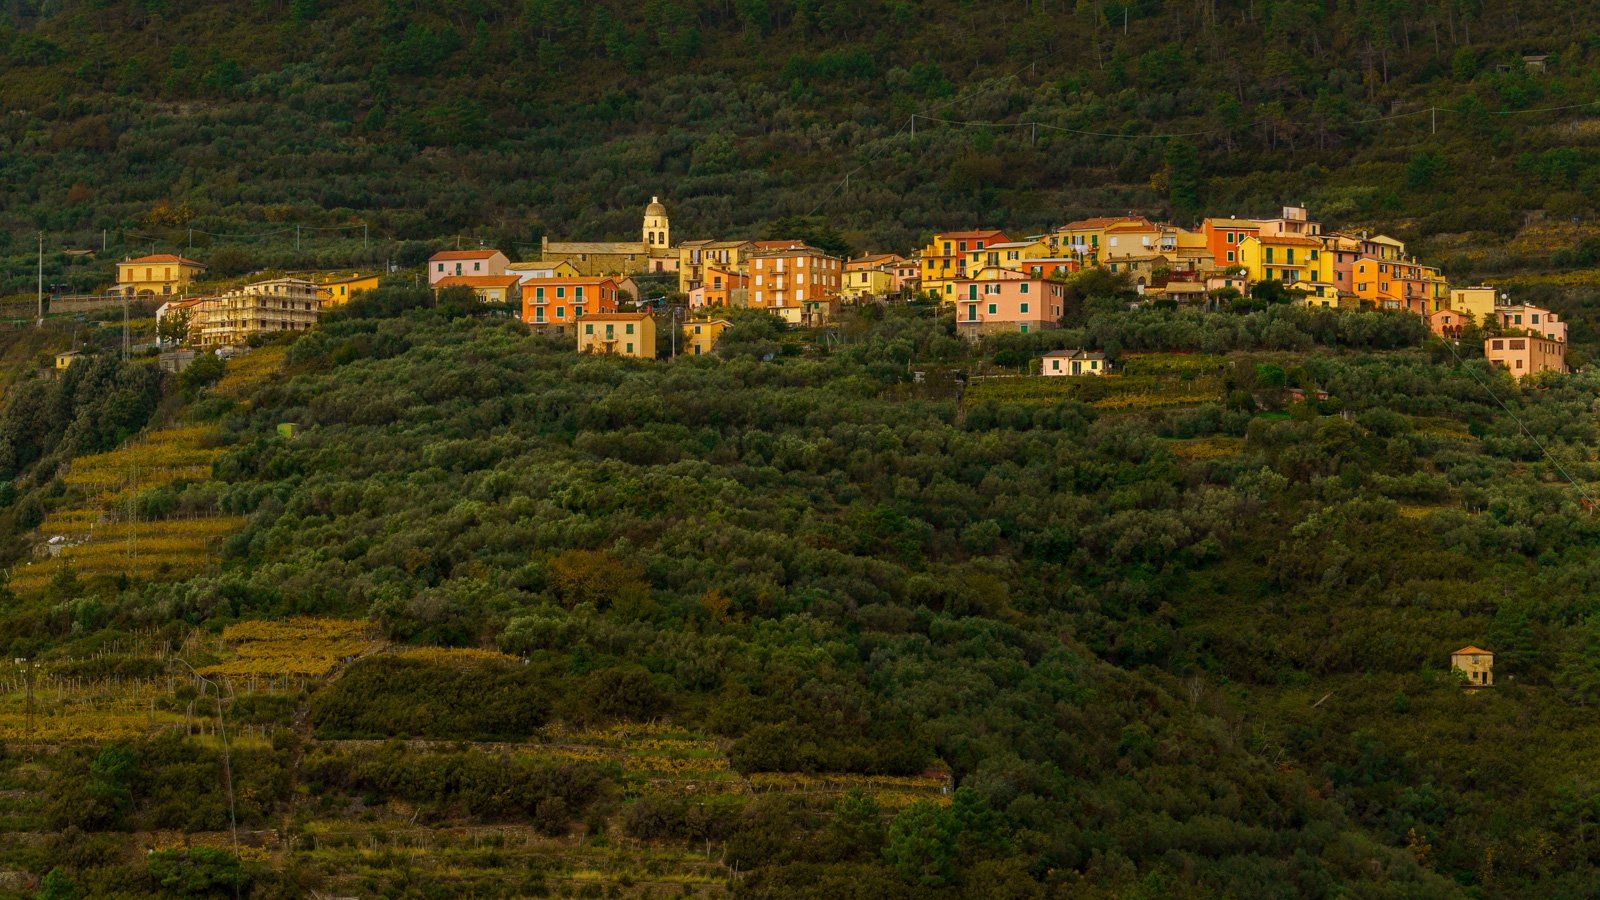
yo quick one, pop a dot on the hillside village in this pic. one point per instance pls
(992, 282)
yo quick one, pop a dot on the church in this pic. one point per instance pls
(653, 253)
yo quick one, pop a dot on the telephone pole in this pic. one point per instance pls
(41, 279)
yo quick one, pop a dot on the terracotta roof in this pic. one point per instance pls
(1472, 651)
(616, 317)
(164, 258)
(1288, 239)
(1102, 222)
(964, 235)
(582, 279)
(1069, 353)
(1009, 244)
(707, 322)
(1235, 224)
(485, 281)
(346, 280)
(462, 254)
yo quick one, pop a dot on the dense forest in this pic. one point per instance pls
(273, 130)
(1182, 633)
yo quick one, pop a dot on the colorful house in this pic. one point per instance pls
(700, 335)
(1052, 266)
(1448, 323)
(1526, 356)
(532, 271)
(1007, 302)
(1012, 255)
(859, 283)
(338, 291)
(722, 287)
(66, 358)
(786, 275)
(1479, 301)
(488, 288)
(554, 305)
(1532, 318)
(1291, 223)
(1073, 362)
(944, 260)
(456, 263)
(1089, 239)
(1284, 258)
(161, 274)
(618, 334)
(1223, 237)
(695, 257)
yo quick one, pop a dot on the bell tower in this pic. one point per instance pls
(657, 231)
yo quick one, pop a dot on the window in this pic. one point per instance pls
(441, 267)
(1269, 254)
(1230, 256)
(630, 348)
(588, 329)
(477, 266)
(1314, 254)
(1023, 330)
(963, 246)
(1024, 309)
(577, 312)
(992, 309)
(561, 312)
(561, 292)
(1231, 238)
(538, 295)
(577, 294)
(1023, 287)
(629, 328)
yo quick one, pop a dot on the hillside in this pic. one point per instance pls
(276, 129)
(739, 624)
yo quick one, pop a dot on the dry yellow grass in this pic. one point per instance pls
(243, 373)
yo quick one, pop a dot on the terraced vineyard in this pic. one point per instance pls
(97, 532)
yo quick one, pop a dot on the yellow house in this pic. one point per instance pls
(696, 257)
(1285, 258)
(860, 283)
(1479, 301)
(944, 260)
(700, 335)
(1008, 254)
(1477, 663)
(1318, 293)
(618, 334)
(338, 291)
(162, 274)
(66, 359)
(530, 271)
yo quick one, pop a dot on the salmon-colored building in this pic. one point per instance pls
(1006, 301)
(787, 275)
(1526, 356)
(1044, 268)
(1534, 319)
(555, 305)
(448, 263)
(721, 287)
(1448, 323)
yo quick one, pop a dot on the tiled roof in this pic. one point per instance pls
(616, 248)
(479, 281)
(1472, 651)
(462, 254)
(164, 258)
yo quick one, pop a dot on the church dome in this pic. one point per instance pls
(655, 208)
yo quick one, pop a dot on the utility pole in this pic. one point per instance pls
(297, 237)
(1433, 113)
(102, 240)
(363, 237)
(41, 279)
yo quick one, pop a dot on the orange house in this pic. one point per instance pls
(1223, 237)
(723, 287)
(1526, 356)
(785, 276)
(1044, 268)
(555, 305)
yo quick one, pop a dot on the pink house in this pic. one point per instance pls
(466, 263)
(1007, 301)
(1526, 355)
(1447, 323)
(1534, 319)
